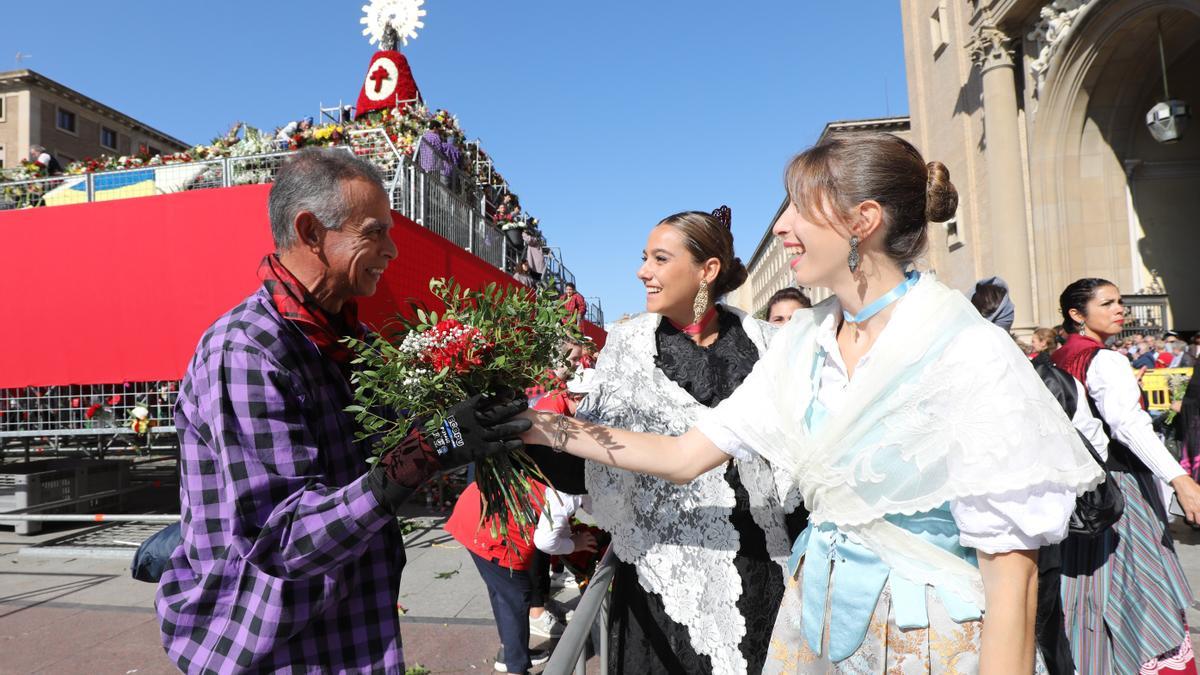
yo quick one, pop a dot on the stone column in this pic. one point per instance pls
(1006, 190)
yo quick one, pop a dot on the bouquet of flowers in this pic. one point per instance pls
(1177, 385)
(485, 342)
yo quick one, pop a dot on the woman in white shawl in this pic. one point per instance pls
(696, 589)
(934, 461)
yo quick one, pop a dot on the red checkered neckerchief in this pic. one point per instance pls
(297, 305)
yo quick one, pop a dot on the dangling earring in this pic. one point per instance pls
(855, 259)
(700, 304)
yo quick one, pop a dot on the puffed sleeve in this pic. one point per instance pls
(1022, 520)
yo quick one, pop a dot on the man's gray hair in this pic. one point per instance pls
(311, 181)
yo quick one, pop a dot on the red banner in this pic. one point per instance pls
(121, 291)
(388, 83)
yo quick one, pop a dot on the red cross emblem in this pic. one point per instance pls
(379, 76)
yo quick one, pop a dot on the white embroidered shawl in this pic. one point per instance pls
(922, 426)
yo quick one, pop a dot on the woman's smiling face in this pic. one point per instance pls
(670, 275)
(816, 253)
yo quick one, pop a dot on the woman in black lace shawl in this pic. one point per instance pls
(696, 589)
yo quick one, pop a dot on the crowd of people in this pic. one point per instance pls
(882, 482)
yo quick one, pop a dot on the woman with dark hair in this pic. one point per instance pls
(933, 459)
(1124, 592)
(696, 588)
(1187, 424)
(784, 303)
(991, 299)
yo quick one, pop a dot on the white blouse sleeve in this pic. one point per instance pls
(1087, 423)
(1023, 520)
(1112, 385)
(553, 532)
(733, 424)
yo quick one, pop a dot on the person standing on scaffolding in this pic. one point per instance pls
(291, 554)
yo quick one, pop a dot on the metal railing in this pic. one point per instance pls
(94, 418)
(1145, 313)
(590, 620)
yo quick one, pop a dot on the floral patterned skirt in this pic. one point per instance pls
(943, 648)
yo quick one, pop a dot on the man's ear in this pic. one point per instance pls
(309, 231)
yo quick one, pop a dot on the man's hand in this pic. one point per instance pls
(473, 429)
(478, 427)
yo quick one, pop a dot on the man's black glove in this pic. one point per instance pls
(472, 430)
(478, 427)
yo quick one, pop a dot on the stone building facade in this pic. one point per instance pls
(1038, 108)
(35, 110)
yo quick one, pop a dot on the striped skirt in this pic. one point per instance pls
(1124, 592)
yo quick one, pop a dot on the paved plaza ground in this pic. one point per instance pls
(70, 612)
(74, 612)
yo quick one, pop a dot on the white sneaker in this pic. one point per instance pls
(562, 579)
(547, 625)
(536, 657)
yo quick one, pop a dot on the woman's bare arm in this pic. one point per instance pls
(678, 459)
(1009, 581)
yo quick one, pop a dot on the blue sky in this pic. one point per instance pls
(604, 116)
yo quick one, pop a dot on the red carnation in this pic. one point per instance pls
(92, 410)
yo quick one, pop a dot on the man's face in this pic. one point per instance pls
(358, 253)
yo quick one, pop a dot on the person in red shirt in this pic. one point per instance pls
(503, 563)
(1163, 355)
(575, 302)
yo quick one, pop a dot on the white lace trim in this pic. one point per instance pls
(679, 537)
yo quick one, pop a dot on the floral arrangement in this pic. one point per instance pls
(404, 127)
(1177, 385)
(485, 342)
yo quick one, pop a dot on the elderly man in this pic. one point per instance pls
(46, 162)
(291, 553)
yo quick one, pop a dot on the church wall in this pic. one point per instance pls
(944, 95)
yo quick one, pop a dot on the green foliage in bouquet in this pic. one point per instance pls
(1176, 386)
(485, 342)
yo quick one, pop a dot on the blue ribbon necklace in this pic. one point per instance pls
(888, 298)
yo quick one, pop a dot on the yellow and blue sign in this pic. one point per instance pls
(108, 186)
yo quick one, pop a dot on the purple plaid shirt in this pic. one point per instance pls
(288, 561)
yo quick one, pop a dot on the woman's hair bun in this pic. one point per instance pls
(941, 199)
(732, 276)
